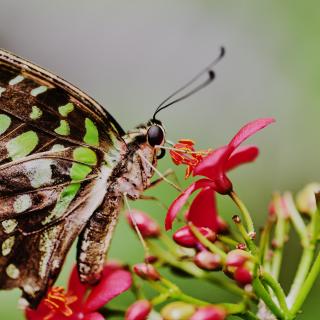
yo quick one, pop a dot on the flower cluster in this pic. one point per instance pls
(204, 245)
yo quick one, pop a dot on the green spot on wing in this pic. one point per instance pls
(79, 171)
(22, 145)
(92, 133)
(5, 122)
(85, 155)
(66, 109)
(63, 129)
(36, 113)
(65, 198)
(34, 92)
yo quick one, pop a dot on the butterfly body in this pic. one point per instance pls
(65, 167)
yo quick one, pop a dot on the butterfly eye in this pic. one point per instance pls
(155, 135)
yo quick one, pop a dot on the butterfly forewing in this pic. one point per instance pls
(57, 150)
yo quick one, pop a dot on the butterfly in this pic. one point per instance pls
(65, 167)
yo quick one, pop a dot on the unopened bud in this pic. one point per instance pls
(236, 219)
(241, 246)
(146, 271)
(148, 227)
(209, 313)
(185, 238)
(243, 275)
(306, 200)
(236, 258)
(151, 259)
(178, 311)
(207, 260)
(138, 310)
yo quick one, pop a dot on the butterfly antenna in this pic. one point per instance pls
(207, 70)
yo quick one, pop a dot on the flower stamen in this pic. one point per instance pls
(183, 152)
(58, 301)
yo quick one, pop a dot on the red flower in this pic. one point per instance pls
(184, 153)
(81, 301)
(203, 212)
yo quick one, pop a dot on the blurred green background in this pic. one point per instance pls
(129, 55)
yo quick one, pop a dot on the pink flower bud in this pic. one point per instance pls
(209, 313)
(146, 271)
(237, 257)
(243, 275)
(138, 310)
(148, 227)
(151, 259)
(207, 260)
(185, 238)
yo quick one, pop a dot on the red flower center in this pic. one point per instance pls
(58, 301)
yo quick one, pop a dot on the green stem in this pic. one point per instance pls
(186, 298)
(264, 241)
(264, 295)
(227, 240)
(301, 274)
(249, 242)
(233, 308)
(296, 219)
(160, 298)
(211, 246)
(281, 232)
(307, 285)
(277, 289)
(244, 210)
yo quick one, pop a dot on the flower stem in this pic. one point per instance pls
(281, 233)
(249, 242)
(307, 285)
(264, 241)
(227, 240)
(277, 289)
(265, 296)
(244, 210)
(296, 218)
(302, 271)
(211, 246)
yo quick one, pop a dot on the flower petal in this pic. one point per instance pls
(108, 288)
(212, 166)
(94, 316)
(75, 287)
(203, 211)
(242, 155)
(182, 199)
(248, 130)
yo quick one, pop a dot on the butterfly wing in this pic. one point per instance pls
(57, 150)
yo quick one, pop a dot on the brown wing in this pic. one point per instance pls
(57, 150)
(32, 98)
(46, 199)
